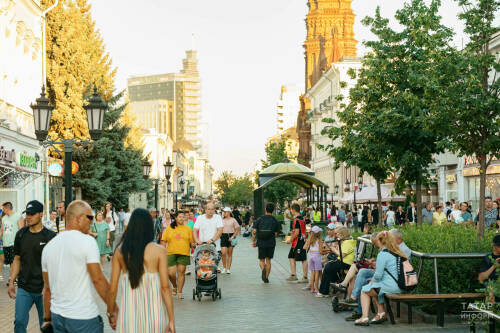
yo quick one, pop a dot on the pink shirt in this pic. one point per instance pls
(230, 225)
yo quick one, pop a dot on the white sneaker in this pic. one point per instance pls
(228, 271)
(223, 271)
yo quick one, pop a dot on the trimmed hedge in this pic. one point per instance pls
(454, 276)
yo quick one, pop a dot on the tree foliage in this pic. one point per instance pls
(76, 60)
(280, 190)
(390, 105)
(111, 171)
(233, 190)
(471, 117)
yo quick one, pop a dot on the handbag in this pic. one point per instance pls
(234, 242)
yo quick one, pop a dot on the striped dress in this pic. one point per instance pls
(142, 309)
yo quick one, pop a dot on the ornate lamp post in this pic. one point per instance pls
(42, 112)
(146, 165)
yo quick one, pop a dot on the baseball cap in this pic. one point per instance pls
(496, 240)
(34, 207)
(316, 229)
(332, 226)
(227, 209)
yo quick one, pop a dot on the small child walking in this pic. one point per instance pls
(313, 244)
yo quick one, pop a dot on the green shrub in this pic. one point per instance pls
(454, 276)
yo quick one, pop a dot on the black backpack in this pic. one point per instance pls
(266, 230)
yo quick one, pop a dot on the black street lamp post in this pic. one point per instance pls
(146, 165)
(42, 112)
(359, 187)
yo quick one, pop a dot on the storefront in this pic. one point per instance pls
(472, 180)
(21, 176)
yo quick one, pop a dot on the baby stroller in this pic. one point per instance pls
(206, 284)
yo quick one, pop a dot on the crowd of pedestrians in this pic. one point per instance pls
(152, 258)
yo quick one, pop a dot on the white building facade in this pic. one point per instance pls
(22, 160)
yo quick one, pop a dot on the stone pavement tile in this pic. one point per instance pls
(248, 305)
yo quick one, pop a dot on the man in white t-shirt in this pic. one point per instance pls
(71, 270)
(210, 227)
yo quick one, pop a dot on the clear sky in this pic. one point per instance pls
(246, 49)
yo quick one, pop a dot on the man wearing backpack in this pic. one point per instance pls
(27, 265)
(298, 240)
(264, 233)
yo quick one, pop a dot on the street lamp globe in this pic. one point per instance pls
(168, 168)
(181, 185)
(146, 169)
(360, 183)
(95, 114)
(169, 187)
(42, 111)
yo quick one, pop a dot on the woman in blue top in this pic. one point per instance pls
(382, 282)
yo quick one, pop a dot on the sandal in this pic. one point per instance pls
(180, 296)
(174, 291)
(381, 318)
(362, 322)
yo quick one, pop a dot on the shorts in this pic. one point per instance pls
(9, 254)
(224, 240)
(298, 254)
(111, 238)
(315, 261)
(178, 259)
(266, 252)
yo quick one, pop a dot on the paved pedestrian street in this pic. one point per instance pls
(248, 305)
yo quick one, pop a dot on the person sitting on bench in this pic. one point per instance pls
(382, 283)
(332, 269)
(487, 269)
(350, 277)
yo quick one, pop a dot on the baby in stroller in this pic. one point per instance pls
(205, 263)
(206, 260)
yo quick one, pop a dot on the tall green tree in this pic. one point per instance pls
(406, 64)
(472, 120)
(280, 190)
(223, 185)
(355, 130)
(109, 170)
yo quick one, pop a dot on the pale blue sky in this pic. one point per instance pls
(246, 49)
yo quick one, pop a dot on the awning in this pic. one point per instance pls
(369, 195)
(13, 175)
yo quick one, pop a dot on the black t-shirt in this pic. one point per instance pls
(28, 246)
(486, 264)
(271, 242)
(237, 216)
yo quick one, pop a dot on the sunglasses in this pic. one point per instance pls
(90, 217)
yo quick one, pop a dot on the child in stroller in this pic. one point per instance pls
(206, 260)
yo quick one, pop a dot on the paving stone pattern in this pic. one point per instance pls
(248, 305)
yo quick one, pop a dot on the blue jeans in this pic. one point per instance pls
(67, 325)
(24, 303)
(362, 278)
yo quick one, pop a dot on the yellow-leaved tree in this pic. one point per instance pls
(134, 137)
(76, 60)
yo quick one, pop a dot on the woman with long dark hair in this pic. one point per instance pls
(146, 297)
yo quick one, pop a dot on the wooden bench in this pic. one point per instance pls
(411, 298)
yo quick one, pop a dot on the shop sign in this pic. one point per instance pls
(451, 178)
(8, 156)
(56, 167)
(27, 161)
(470, 160)
(492, 170)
